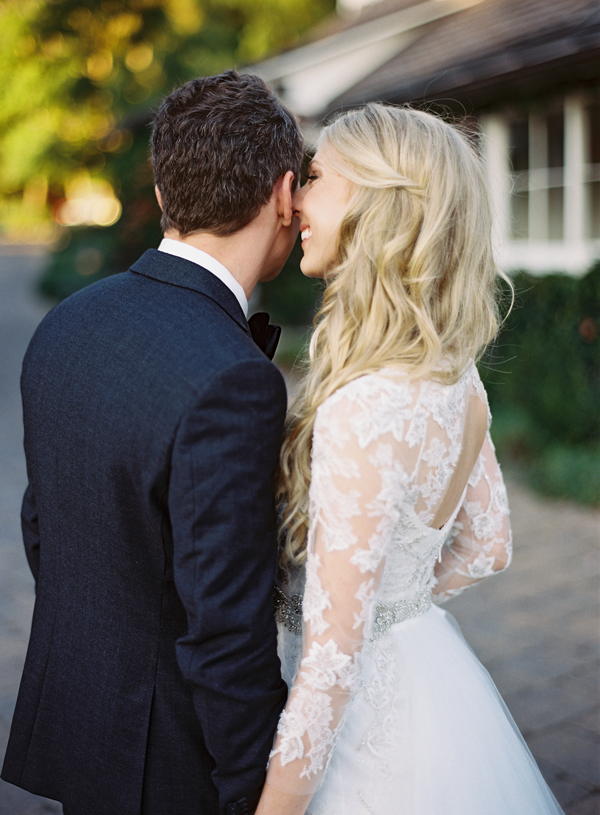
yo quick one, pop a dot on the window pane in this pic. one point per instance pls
(594, 130)
(519, 222)
(519, 145)
(555, 213)
(556, 140)
(593, 190)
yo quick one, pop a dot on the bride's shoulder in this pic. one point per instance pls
(370, 406)
(383, 389)
(394, 389)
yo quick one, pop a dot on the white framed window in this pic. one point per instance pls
(592, 170)
(537, 175)
(544, 167)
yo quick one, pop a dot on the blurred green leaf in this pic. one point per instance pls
(73, 72)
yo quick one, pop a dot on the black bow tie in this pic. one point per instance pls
(266, 336)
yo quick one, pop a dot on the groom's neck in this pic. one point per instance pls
(243, 254)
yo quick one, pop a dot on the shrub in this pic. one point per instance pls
(569, 472)
(543, 382)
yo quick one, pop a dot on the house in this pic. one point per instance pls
(526, 73)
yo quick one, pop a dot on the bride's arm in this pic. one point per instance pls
(480, 543)
(278, 802)
(355, 484)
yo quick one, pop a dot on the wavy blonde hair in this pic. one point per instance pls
(414, 284)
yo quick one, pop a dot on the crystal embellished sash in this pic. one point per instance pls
(288, 612)
(388, 614)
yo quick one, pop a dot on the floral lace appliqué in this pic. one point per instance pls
(385, 450)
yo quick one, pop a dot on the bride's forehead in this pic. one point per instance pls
(327, 162)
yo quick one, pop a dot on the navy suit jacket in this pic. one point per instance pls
(152, 429)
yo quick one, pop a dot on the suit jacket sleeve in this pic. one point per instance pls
(224, 530)
(31, 531)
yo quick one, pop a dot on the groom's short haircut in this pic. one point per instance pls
(219, 144)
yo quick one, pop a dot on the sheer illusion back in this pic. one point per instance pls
(406, 502)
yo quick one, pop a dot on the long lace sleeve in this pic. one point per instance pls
(480, 543)
(357, 479)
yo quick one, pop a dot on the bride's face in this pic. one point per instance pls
(320, 205)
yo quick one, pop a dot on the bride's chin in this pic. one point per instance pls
(310, 272)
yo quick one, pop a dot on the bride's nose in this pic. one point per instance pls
(297, 199)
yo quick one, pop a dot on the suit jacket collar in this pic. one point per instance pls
(180, 272)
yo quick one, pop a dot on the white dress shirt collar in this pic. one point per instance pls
(188, 252)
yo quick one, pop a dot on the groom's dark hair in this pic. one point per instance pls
(219, 144)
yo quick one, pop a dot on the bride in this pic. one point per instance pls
(392, 497)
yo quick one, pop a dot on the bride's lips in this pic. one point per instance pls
(305, 233)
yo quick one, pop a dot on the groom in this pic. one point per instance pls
(152, 429)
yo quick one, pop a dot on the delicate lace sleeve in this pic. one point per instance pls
(357, 480)
(480, 543)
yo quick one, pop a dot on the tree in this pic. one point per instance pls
(80, 80)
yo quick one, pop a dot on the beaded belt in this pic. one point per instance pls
(288, 612)
(388, 614)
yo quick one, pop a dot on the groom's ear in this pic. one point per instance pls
(284, 197)
(158, 196)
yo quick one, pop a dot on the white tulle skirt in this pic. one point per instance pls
(430, 735)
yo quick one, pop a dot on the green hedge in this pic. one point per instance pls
(543, 381)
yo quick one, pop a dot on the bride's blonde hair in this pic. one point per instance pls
(414, 283)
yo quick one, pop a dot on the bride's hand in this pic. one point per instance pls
(276, 802)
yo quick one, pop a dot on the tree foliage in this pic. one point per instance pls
(79, 75)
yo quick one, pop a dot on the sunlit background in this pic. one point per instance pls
(80, 81)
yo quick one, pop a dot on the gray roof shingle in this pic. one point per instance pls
(481, 46)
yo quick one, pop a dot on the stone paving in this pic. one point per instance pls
(20, 312)
(536, 626)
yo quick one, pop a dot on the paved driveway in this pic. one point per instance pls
(536, 627)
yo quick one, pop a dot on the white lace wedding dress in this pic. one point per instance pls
(390, 712)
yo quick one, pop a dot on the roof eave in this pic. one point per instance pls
(488, 80)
